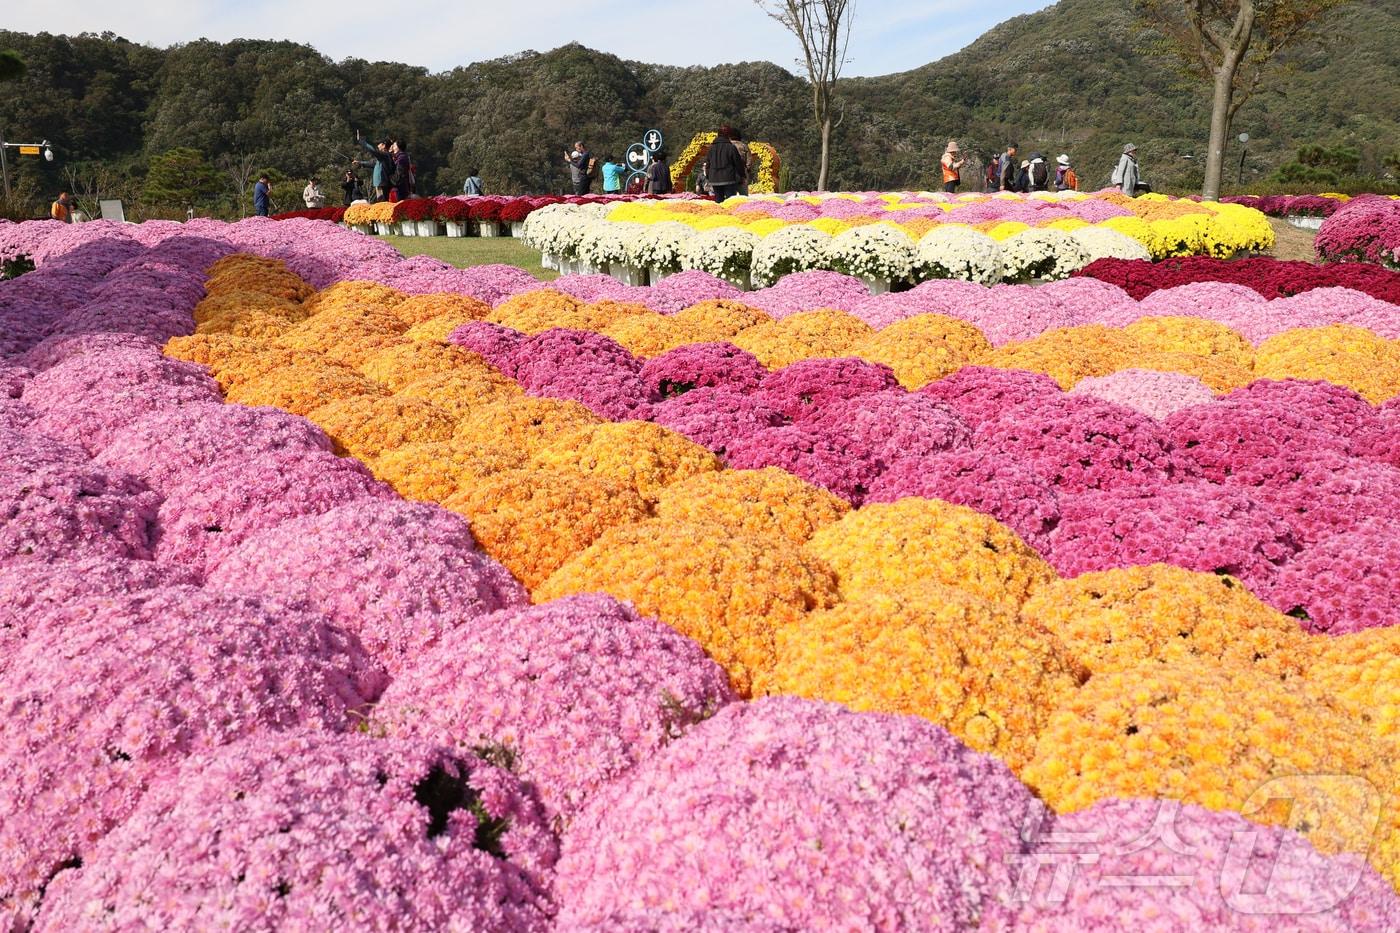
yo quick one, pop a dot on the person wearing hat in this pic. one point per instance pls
(952, 166)
(1065, 179)
(1127, 176)
(1023, 177)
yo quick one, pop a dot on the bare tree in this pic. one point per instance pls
(1232, 43)
(239, 168)
(823, 29)
(92, 185)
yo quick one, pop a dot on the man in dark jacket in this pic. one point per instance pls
(579, 161)
(262, 196)
(1007, 168)
(724, 167)
(402, 178)
(382, 164)
(659, 175)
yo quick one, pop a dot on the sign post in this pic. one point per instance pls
(25, 149)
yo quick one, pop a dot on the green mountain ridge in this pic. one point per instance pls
(1071, 78)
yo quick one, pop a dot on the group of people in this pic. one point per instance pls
(1006, 173)
(617, 178)
(391, 171)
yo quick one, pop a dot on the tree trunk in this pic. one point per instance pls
(826, 153)
(1219, 128)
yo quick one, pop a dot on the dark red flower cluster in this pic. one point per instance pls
(1272, 278)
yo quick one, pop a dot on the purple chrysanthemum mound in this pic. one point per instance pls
(1190, 524)
(680, 291)
(397, 574)
(207, 516)
(13, 379)
(716, 418)
(1078, 443)
(1328, 494)
(588, 368)
(304, 832)
(1214, 870)
(1347, 583)
(1154, 393)
(807, 815)
(979, 393)
(820, 457)
(52, 508)
(493, 342)
(881, 428)
(167, 448)
(107, 694)
(32, 591)
(702, 365)
(808, 386)
(996, 486)
(15, 416)
(580, 690)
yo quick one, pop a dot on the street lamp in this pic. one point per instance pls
(1244, 151)
(25, 149)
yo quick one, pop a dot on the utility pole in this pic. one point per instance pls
(33, 149)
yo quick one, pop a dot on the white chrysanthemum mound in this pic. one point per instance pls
(1041, 253)
(877, 251)
(1103, 243)
(724, 252)
(797, 248)
(957, 252)
(660, 246)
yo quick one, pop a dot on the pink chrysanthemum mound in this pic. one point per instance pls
(978, 393)
(1328, 494)
(107, 694)
(304, 832)
(59, 348)
(209, 515)
(496, 344)
(1192, 524)
(883, 427)
(996, 486)
(808, 386)
(753, 812)
(1380, 441)
(662, 921)
(167, 448)
(820, 457)
(1155, 394)
(1347, 583)
(580, 690)
(1078, 443)
(53, 507)
(588, 368)
(13, 379)
(716, 418)
(397, 574)
(702, 365)
(1215, 870)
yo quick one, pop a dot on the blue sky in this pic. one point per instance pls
(889, 36)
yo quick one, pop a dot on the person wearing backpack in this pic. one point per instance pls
(473, 187)
(1037, 173)
(581, 168)
(1127, 176)
(1065, 179)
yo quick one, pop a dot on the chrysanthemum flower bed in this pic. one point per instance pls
(1048, 615)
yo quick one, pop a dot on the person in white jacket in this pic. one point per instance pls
(1127, 176)
(313, 195)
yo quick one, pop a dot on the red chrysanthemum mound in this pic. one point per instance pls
(306, 833)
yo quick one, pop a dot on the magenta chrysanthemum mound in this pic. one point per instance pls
(716, 418)
(209, 515)
(1213, 870)
(13, 379)
(583, 366)
(1328, 494)
(399, 575)
(305, 832)
(978, 393)
(702, 365)
(170, 447)
(53, 507)
(806, 815)
(107, 693)
(994, 485)
(820, 457)
(579, 689)
(1191, 524)
(1380, 441)
(881, 428)
(1154, 393)
(1078, 443)
(493, 342)
(810, 385)
(1346, 583)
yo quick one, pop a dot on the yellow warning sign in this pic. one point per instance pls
(28, 150)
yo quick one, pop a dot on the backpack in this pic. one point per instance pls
(1040, 174)
(592, 170)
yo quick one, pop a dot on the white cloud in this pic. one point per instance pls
(440, 34)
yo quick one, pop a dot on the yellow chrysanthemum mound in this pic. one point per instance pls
(243, 272)
(343, 296)
(647, 336)
(1219, 374)
(893, 545)
(1115, 619)
(213, 350)
(1174, 334)
(1360, 673)
(304, 387)
(804, 336)
(418, 309)
(538, 310)
(731, 592)
(437, 329)
(247, 323)
(1069, 354)
(1342, 354)
(348, 336)
(463, 390)
(934, 651)
(404, 364)
(767, 503)
(719, 318)
(916, 360)
(434, 471)
(1215, 736)
(965, 339)
(525, 423)
(365, 426)
(532, 521)
(646, 456)
(234, 303)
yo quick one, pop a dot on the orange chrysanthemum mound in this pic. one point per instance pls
(1360, 673)
(719, 318)
(1200, 336)
(525, 423)
(435, 471)
(932, 651)
(243, 272)
(808, 335)
(419, 309)
(1069, 354)
(731, 592)
(403, 364)
(916, 359)
(343, 296)
(438, 329)
(767, 503)
(213, 350)
(365, 426)
(463, 390)
(302, 388)
(646, 456)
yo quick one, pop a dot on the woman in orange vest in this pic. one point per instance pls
(952, 167)
(62, 209)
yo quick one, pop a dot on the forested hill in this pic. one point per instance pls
(1071, 78)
